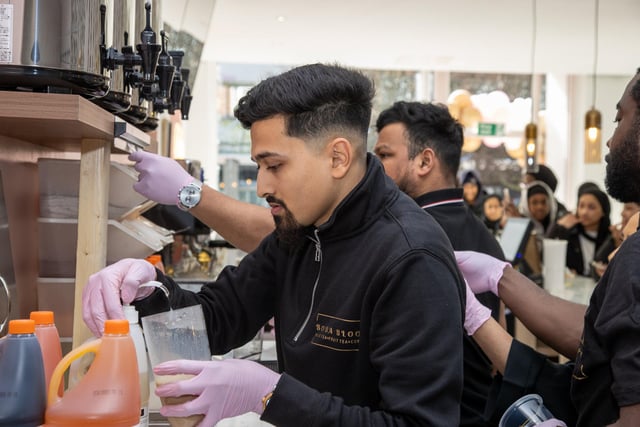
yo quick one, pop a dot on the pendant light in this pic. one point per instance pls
(593, 118)
(531, 130)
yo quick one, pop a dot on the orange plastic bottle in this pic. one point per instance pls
(109, 393)
(49, 339)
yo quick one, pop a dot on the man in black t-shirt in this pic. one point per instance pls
(604, 341)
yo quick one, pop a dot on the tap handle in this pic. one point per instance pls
(185, 104)
(148, 36)
(164, 58)
(148, 50)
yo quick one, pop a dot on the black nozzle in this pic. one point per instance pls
(185, 105)
(177, 93)
(148, 49)
(165, 69)
(177, 56)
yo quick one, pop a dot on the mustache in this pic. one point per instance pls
(271, 199)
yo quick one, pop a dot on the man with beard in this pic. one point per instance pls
(603, 337)
(346, 275)
(420, 147)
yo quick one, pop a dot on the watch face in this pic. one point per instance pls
(189, 196)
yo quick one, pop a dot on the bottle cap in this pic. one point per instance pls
(42, 317)
(154, 259)
(23, 326)
(116, 326)
(130, 313)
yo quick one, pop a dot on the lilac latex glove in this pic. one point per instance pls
(475, 314)
(482, 271)
(104, 290)
(551, 423)
(160, 178)
(224, 388)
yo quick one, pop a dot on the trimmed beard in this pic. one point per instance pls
(288, 230)
(623, 167)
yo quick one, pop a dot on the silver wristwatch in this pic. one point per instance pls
(189, 195)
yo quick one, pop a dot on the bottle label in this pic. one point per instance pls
(144, 417)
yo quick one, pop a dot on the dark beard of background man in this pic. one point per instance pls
(623, 167)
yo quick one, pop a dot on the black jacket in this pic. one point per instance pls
(368, 314)
(467, 233)
(574, 250)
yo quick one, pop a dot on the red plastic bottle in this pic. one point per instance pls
(109, 393)
(49, 339)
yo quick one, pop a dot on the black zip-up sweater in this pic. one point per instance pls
(368, 314)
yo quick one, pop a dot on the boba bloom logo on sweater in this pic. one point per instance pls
(337, 333)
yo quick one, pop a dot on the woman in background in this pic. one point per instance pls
(473, 193)
(541, 207)
(493, 214)
(586, 231)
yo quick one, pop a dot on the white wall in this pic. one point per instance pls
(201, 130)
(609, 89)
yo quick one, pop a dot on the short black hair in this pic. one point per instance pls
(315, 100)
(428, 126)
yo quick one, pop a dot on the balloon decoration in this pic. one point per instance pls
(463, 110)
(494, 107)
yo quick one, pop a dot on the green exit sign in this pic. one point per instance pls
(490, 129)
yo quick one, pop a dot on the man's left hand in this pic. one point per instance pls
(224, 388)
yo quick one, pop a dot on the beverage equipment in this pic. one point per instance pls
(69, 46)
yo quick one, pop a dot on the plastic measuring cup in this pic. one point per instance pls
(172, 335)
(525, 412)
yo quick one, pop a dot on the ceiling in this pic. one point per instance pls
(459, 35)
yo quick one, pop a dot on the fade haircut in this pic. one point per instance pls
(428, 126)
(316, 100)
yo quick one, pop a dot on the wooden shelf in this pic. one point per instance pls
(66, 124)
(57, 121)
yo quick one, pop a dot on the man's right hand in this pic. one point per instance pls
(160, 178)
(109, 288)
(482, 271)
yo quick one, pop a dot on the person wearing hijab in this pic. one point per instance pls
(546, 175)
(541, 207)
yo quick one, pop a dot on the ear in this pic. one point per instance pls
(425, 162)
(341, 154)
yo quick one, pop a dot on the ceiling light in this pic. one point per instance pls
(593, 118)
(531, 130)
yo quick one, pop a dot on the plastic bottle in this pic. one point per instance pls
(22, 388)
(49, 339)
(109, 393)
(143, 365)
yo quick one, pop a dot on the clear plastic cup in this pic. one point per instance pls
(172, 335)
(525, 412)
